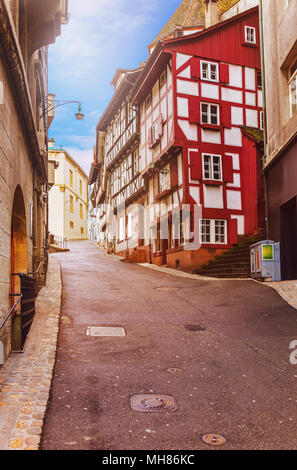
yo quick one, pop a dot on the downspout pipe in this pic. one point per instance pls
(264, 110)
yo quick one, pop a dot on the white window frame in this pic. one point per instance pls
(293, 101)
(164, 179)
(209, 72)
(212, 224)
(209, 115)
(211, 170)
(250, 35)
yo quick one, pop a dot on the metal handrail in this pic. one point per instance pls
(10, 311)
(36, 272)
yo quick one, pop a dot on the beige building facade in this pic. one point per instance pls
(280, 166)
(27, 27)
(68, 198)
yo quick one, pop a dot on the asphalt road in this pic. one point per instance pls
(225, 343)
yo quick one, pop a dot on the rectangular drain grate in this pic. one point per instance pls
(105, 331)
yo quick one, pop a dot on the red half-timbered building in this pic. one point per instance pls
(199, 99)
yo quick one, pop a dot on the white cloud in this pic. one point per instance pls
(83, 157)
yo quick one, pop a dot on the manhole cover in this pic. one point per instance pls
(167, 288)
(153, 403)
(105, 331)
(174, 370)
(214, 439)
(195, 327)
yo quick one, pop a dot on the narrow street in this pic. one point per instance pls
(219, 348)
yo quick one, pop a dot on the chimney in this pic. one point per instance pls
(211, 13)
(51, 143)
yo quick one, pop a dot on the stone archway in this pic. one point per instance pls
(19, 257)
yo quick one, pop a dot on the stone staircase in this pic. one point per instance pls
(235, 262)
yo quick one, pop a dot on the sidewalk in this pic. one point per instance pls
(25, 378)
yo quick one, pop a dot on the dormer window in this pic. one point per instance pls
(250, 34)
(209, 71)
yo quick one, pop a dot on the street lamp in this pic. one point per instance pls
(49, 105)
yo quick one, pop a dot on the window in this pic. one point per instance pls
(81, 211)
(71, 224)
(71, 203)
(81, 230)
(209, 113)
(250, 34)
(213, 231)
(71, 178)
(259, 80)
(136, 161)
(80, 187)
(148, 101)
(209, 71)
(164, 179)
(162, 78)
(293, 88)
(212, 167)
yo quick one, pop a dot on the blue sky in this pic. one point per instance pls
(101, 36)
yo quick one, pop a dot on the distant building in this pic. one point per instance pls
(68, 197)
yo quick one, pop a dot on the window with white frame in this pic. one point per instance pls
(212, 167)
(164, 179)
(250, 34)
(293, 88)
(213, 231)
(209, 71)
(210, 113)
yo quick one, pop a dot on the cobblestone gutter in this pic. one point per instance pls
(25, 379)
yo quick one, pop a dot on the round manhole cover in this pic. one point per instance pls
(167, 288)
(153, 403)
(174, 370)
(214, 439)
(195, 327)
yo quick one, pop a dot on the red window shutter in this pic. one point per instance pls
(195, 67)
(173, 173)
(228, 169)
(224, 73)
(160, 127)
(150, 138)
(226, 115)
(194, 109)
(233, 237)
(195, 166)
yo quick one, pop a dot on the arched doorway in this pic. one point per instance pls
(19, 258)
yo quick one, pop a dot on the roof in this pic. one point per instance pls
(63, 151)
(164, 47)
(120, 93)
(254, 134)
(190, 13)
